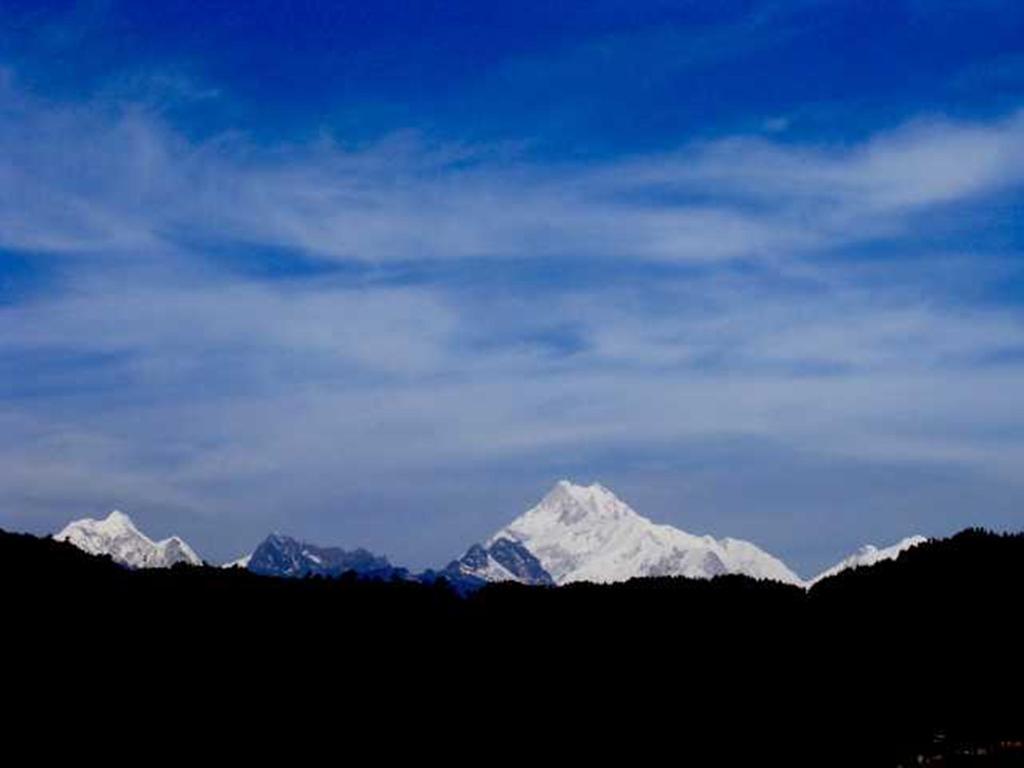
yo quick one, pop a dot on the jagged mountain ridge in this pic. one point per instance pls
(117, 536)
(280, 555)
(501, 560)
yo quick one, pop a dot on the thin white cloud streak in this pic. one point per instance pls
(384, 330)
(109, 178)
(850, 330)
(921, 163)
(420, 332)
(395, 367)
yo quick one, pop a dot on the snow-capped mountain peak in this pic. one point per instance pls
(242, 562)
(869, 554)
(573, 504)
(118, 520)
(117, 536)
(586, 533)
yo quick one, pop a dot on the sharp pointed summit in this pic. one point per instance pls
(573, 504)
(586, 533)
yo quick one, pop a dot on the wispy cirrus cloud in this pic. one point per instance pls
(116, 178)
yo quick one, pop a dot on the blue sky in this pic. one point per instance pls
(379, 274)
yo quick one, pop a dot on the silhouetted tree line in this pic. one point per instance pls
(889, 665)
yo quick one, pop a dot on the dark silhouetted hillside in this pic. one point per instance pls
(876, 666)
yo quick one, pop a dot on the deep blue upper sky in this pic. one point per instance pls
(379, 273)
(596, 77)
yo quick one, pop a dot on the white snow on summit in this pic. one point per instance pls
(242, 562)
(586, 533)
(869, 555)
(118, 537)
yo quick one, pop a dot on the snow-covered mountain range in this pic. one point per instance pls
(586, 533)
(117, 536)
(575, 533)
